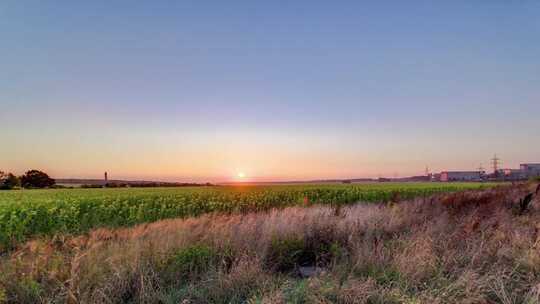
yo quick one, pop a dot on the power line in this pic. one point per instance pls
(495, 161)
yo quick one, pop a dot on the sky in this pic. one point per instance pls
(276, 90)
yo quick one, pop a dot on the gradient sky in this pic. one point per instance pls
(200, 90)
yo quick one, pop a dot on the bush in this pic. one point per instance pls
(192, 261)
(26, 290)
(8, 181)
(285, 254)
(36, 179)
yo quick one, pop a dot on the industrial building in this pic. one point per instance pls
(525, 171)
(454, 176)
(530, 170)
(511, 174)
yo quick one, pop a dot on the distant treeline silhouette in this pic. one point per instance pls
(160, 184)
(35, 179)
(144, 185)
(32, 179)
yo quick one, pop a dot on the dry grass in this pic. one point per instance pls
(469, 247)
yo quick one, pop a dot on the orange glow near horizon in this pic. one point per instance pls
(243, 156)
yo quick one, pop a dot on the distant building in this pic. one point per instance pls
(530, 170)
(525, 171)
(455, 176)
(511, 174)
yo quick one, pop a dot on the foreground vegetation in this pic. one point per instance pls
(28, 213)
(476, 246)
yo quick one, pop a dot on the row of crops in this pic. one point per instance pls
(29, 213)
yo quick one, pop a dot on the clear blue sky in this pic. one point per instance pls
(200, 90)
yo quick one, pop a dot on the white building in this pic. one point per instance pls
(454, 176)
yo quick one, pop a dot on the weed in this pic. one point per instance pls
(192, 261)
(285, 254)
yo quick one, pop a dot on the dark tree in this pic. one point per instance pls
(36, 179)
(8, 181)
(3, 177)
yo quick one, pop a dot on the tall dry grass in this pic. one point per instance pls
(469, 247)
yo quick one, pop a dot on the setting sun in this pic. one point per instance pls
(240, 175)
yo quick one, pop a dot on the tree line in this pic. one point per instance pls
(32, 179)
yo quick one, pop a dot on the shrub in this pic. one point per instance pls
(27, 290)
(8, 181)
(297, 293)
(285, 253)
(36, 179)
(192, 261)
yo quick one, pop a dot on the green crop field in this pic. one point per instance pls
(29, 213)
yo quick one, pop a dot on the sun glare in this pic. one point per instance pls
(240, 175)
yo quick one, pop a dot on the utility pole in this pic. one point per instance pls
(429, 176)
(495, 161)
(106, 178)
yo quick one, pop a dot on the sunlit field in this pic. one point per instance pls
(28, 213)
(475, 246)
